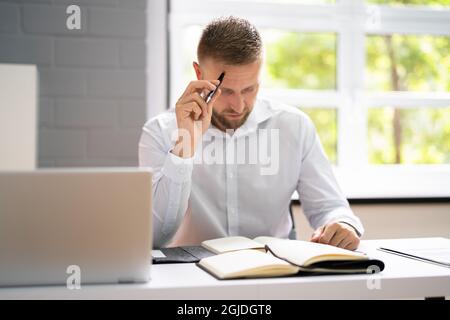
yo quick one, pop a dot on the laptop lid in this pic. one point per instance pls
(59, 224)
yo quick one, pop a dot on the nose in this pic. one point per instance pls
(237, 104)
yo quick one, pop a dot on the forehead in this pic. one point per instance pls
(247, 74)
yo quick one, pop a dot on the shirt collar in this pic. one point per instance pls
(262, 111)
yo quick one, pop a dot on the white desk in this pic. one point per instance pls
(402, 278)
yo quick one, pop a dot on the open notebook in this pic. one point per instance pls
(227, 244)
(189, 254)
(240, 257)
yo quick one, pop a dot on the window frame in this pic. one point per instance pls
(351, 21)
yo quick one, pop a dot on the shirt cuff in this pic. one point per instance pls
(177, 169)
(351, 225)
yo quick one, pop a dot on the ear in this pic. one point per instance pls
(198, 72)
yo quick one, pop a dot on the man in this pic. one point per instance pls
(199, 195)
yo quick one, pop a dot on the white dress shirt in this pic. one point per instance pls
(215, 194)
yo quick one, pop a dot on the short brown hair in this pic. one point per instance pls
(231, 40)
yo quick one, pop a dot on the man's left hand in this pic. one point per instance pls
(337, 234)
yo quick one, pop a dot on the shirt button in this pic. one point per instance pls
(181, 170)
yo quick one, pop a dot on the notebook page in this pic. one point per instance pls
(231, 244)
(302, 253)
(235, 262)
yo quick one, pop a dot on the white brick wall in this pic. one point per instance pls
(112, 143)
(117, 83)
(32, 49)
(62, 143)
(86, 52)
(92, 81)
(9, 18)
(49, 19)
(55, 81)
(117, 22)
(82, 113)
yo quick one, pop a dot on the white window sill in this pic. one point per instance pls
(394, 181)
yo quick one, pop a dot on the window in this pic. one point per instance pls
(325, 120)
(299, 60)
(374, 76)
(429, 3)
(415, 63)
(408, 63)
(409, 135)
(305, 60)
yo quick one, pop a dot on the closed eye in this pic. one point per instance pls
(248, 90)
(227, 91)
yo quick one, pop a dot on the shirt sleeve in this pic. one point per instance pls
(320, 196)
(171, 183)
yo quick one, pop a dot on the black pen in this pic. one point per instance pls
(212, 93)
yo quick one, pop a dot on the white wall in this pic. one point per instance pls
(387, 221)
(92, 93)
(18, 120)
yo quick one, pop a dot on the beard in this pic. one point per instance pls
(222, 122)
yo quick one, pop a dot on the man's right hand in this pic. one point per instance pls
(193, 116)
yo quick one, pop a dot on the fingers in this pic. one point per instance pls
(199, 85)
(192, 94)
(316, 235)
(196, 109)
(328, 233)
(195, 97)
(191, 109)
(339, 237)
(352, 244)
(211, 102)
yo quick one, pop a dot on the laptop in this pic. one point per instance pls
(75, 226)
